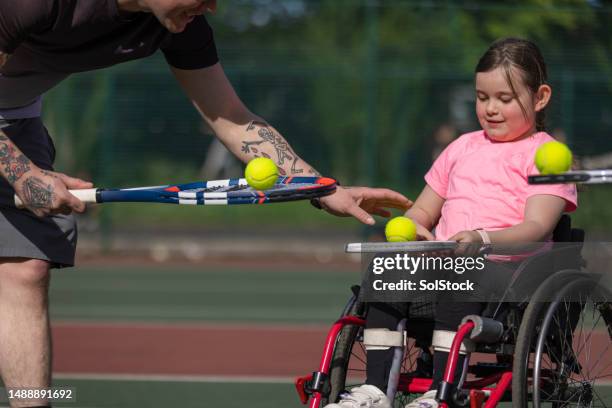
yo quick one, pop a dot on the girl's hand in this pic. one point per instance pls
(423, 234)
(470, 243)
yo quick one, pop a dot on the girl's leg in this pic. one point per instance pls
(381, 316)
(448, 319)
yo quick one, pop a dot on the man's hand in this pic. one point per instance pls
(360, 202)
(46, 192)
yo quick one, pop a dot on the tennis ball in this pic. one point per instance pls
(553, 158)
(400, 229)
(261, 173)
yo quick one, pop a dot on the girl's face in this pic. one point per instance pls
(498, 109)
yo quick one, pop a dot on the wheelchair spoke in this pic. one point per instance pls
(596, 375)
(599, 398)
(586, 341)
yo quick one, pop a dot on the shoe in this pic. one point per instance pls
(427, 400)
(364, 396)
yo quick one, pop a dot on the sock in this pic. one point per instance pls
(440, 359)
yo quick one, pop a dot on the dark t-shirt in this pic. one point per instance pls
(51, 39)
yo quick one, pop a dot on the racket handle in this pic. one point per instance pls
(87, 195)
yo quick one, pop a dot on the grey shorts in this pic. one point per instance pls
(22, 234)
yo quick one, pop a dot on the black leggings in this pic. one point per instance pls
(387, 316)
(448, 316)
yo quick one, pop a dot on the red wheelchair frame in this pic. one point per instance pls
(310, 386)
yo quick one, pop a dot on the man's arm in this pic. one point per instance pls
(247, 136)
(43, 192)
(3, 58)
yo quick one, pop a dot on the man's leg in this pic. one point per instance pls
(25, 339)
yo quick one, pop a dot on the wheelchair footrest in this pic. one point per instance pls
(485, 330)
(318, 383)
(307, 385)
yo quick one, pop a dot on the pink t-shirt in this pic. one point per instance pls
(484, 183)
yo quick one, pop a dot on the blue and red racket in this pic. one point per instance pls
(216, 192)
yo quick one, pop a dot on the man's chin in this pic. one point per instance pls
(174, 27)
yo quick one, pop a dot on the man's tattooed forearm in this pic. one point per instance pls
(36, 193)
(283, 151)
(12, 162)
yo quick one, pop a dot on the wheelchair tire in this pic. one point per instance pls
(339, 366)
(552, 340)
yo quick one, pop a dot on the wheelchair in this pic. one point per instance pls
(551, 350)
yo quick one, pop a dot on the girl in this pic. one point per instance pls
(477, 192)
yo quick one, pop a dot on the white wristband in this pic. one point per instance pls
(484, 236)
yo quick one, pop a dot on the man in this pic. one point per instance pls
(41, 43)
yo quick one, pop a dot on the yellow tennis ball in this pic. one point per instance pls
(400, 229)
(261, 173)
(553, 158)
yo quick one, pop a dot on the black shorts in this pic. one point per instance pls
(22, 234)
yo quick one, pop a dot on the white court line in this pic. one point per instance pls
(175, 378)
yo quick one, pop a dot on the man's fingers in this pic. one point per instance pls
(394, 204)
(386, 194)
(77, 205)
(381, 211)
(73, 182)
(361, 215)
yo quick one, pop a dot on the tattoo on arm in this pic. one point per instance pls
(14, 163)
(37, 194)
(267, 135)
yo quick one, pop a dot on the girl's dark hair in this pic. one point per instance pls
(526, 58)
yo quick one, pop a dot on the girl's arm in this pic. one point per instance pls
(542, 213)
(426, 212)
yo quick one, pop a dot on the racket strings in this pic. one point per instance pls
(246, 188)
(217, 189)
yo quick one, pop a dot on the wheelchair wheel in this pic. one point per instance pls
(343, 352)
(348, 364)
(563, 354)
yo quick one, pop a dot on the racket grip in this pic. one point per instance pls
(87, 195)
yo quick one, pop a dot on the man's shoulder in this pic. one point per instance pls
(29, 11)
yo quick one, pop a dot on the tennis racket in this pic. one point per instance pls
(410, 246)
(582, 177)
(217, 192)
